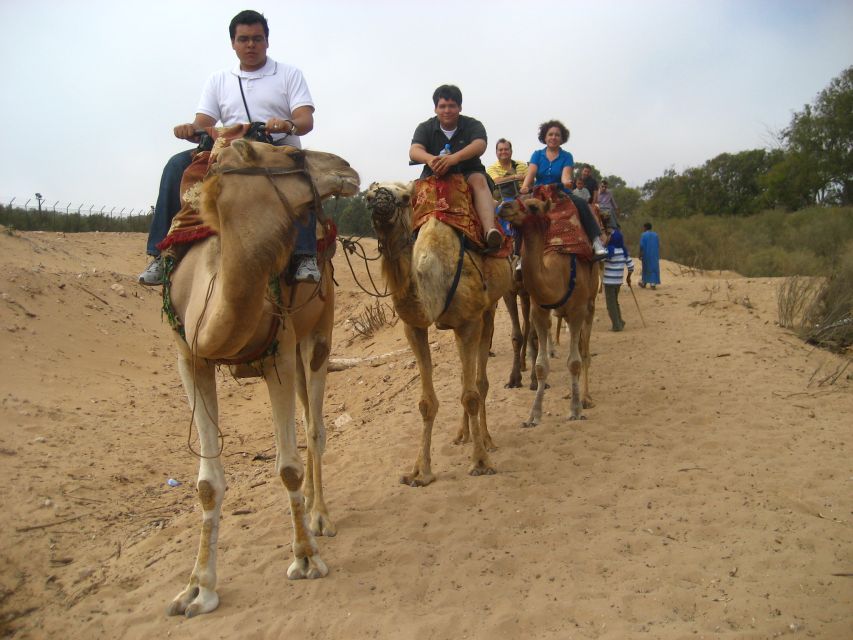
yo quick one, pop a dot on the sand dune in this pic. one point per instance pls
(709, 493)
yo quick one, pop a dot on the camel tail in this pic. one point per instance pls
(433, 274)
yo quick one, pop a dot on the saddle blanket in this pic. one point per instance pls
(449, 200)
(565, 233)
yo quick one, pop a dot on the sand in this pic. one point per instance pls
(708, 494)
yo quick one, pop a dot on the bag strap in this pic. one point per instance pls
(243, 95)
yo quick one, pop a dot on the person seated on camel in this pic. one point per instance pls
(466, 138)
(257, 89)
(553, 165)
(506, 170)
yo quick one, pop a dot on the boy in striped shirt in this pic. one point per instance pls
(614, 269)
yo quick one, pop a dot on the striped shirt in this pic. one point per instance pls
(614, 267)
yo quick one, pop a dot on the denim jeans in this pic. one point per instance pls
(169, 203)
(168, 199)
(588, 221)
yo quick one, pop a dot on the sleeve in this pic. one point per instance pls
(535, 157)
(570, 160)
(478, 131)
(421, 135)
(209, 102)
(630, 264)
(297, 91)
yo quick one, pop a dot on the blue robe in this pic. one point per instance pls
(650, 255)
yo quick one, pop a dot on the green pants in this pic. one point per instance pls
(611, 295)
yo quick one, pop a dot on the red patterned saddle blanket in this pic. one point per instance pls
(449, 200)
(565, 233)
(187, 226)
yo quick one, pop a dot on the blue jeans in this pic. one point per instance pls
(169, 203)
(168, 200)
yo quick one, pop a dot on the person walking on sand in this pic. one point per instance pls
(650, 255)
(614, 268)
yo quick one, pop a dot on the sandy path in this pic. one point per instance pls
(710, 492)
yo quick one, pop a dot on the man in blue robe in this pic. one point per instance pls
(650, 255)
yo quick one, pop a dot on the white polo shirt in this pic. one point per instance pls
(275, 90)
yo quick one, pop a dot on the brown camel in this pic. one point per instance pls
(222, 293)
(547, 278)
(420, 276)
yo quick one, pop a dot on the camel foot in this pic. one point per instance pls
(482, 469)
(513, 384)
(529, 424)
(322, 525)
(579, 417)
(588, 403)
(193, 601)
(461, 440)
(417, 479)
(310, 567)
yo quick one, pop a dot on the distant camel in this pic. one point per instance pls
(562, 282)
(223, 294)
(421, 276)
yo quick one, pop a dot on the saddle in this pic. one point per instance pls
(565, 234)
(449, 200)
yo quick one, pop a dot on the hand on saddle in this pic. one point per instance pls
(186, 132)
(524, 189)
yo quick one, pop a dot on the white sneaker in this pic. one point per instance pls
(307, 271)
(599, 249)
(153, 275)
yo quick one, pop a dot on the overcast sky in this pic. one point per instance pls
(92, 89)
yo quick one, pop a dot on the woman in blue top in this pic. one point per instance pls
(553, 165)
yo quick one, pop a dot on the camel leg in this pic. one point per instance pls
(576, 322)
(199, 380)
(552, 350)
(314, 351)
(541, 320)
(482, 373)
(280, 381)
(510, 301)
(470, 344)
(586, 356)
(463, 436)
(525, 329)
(421, 474)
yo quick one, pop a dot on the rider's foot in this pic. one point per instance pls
(599, 249)
(153, 274)
(307, 271)
(494, 240)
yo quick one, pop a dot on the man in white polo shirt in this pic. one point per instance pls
(258, 89)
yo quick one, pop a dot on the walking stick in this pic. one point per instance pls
(634, 295)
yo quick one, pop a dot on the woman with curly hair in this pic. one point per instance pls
(553, 165)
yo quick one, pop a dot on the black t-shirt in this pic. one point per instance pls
(591, 185)
(430, 135)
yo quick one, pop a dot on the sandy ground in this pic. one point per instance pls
(709, 494)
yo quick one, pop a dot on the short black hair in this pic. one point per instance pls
(448, 92)
(543, 129)
(647, 226)
(503, 141)
(248, 17)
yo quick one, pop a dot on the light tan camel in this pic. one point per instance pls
(420, 276)
(547, 278)
(220, 293)
(524, 341)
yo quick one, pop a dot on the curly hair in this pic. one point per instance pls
(543, 129)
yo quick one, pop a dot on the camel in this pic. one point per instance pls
(420, 276)
(221, 292)
(548, 279)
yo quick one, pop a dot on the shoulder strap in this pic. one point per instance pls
(243, 95)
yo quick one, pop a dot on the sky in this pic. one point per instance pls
(92, 90)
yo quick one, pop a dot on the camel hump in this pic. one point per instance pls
(434, 261)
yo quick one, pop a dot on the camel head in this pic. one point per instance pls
(331, 175)
(525, 210)
(384, 199)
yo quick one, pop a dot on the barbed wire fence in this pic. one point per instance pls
(38, 213)
(40, 204)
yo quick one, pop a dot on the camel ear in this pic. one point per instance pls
(245, 149)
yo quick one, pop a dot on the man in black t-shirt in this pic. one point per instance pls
(466, 138)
